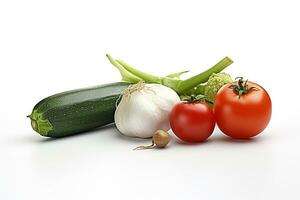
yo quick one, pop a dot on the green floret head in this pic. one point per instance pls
(214, 83)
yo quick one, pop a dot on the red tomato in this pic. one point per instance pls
(192, 122)
(245, 115)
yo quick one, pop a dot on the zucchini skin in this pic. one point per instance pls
(76, 111)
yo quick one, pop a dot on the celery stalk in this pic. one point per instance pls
(126, 75)
(192, 82)
(133, 75)
(149, 78)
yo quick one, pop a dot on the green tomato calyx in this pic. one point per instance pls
(194, 98)
(242, 87)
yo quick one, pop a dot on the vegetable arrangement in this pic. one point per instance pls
(145, 105)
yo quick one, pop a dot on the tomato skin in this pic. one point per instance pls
(243, 117)
(192, 122)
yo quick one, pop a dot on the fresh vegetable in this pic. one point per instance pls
(144, 108)
(242, 109)
(192, 121)
(76, 111)
(133, 75)
(210, 88)
(160, 139)
(214, 83)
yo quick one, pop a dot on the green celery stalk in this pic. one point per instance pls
(194, 81)
(126, 75)
(133, 75)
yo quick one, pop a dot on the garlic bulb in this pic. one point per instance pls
(144, 109)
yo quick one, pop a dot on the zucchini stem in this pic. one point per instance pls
(40, 125)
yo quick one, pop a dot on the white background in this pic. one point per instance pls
(52, 46)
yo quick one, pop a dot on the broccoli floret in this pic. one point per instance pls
(214, 83)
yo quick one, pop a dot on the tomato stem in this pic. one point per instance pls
(193, 98)
(242, 87)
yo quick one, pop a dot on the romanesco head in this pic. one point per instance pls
(214, 83)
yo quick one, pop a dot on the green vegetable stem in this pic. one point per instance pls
(133, 75)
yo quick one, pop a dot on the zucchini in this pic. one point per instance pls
(76, 111)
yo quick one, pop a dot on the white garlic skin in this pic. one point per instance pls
(145, 111)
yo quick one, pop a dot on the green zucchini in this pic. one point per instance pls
(76, 111)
